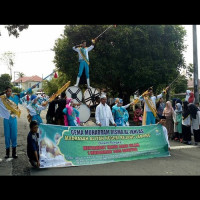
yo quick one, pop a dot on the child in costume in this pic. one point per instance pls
(34, 109)
(120, 114)
(71, 114)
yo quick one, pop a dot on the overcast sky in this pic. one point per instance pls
(41, 38)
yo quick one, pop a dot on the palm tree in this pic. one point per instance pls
(21, 75)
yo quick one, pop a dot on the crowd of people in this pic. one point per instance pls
(181, 119)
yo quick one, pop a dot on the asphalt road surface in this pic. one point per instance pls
(184, 160)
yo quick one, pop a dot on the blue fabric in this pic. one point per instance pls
(32, 145)
(83, 65)
(37, 118)
(118, 114)
(10, 125)
(10, 132)
(71, 118)
(150, 118)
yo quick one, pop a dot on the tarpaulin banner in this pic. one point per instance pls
(62, 146)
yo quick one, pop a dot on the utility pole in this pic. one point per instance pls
(195, 63)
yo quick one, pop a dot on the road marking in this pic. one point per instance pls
(9, 159)
(184, 147)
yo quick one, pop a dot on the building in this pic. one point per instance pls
(191, 84)
(26, 82)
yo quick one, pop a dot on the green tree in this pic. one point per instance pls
(125, 58)
(15, 29)
(5, 81)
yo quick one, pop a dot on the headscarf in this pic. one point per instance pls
(179, 108)
(168, 109)
(185, 110)
(174, 103)
(69, 110)
(193, 110)
(191, 98)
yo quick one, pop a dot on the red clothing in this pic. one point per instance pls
(191, 98)
(137, 115)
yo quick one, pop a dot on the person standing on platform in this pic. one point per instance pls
(84, 61)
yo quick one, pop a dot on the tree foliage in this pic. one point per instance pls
(15, 29)
(5, 81)
(125, 58)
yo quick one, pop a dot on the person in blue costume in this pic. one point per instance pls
(71, 114)
(84, 61)
(34, 109)
(10, 125)
(120, 114)
(126, 114)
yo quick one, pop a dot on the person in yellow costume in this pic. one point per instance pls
(150, 113)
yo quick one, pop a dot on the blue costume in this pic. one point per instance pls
(84, 62)
(35, 110)
(150, 118)
(10, 125)
(120, 114)
(72, 119)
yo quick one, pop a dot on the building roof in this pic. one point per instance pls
(24, 79)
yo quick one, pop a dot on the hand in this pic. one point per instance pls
(115, 124)
(99, 124)
(33, 86)
(38, 163)
(167, 88)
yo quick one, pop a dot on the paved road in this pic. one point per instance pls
(184, 160)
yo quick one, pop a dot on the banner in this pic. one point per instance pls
(62, 146)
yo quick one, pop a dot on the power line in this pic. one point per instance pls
(30, 51)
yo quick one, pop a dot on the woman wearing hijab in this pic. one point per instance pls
(191, 98)
(186, 124)
(168, 112)
(178, 123)
(195, 116)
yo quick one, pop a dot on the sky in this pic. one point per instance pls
(32, 49)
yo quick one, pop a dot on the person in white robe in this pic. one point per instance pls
(103, 114)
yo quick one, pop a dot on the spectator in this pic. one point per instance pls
(186, 124)
(169, 113)
(137, 118)
(32, 145)
(178, 123)
(195, 116)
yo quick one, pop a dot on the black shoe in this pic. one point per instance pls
(14, 154)
(7, 153)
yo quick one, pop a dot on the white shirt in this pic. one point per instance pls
(87, 49)
(186, 121)
(166, 135)
(4, 113)
(153, 98)
(196, 122)
(32, 111)
(104, 115)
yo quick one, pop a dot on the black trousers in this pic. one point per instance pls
(186, 130)
(196, 135)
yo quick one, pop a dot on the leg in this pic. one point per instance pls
(148, 118)
(7, 132)
(14, 132)
(81, 67)
(87, 75)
